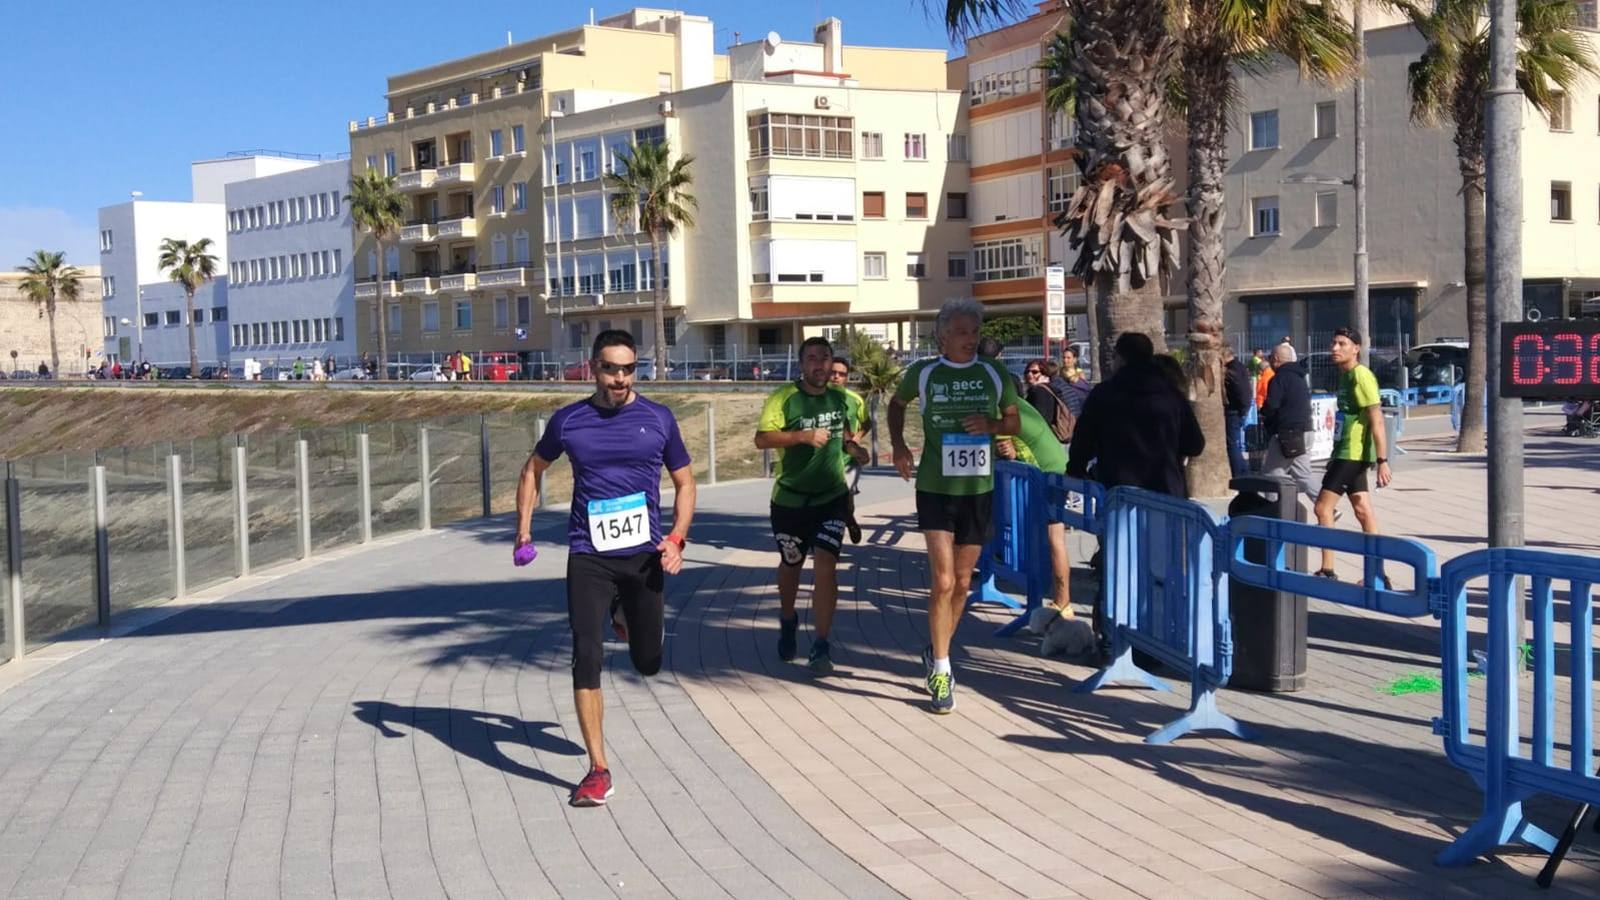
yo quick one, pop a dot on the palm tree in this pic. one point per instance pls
(191, 266)
(878, 373)
(46, 278)
(1221, 38)
(650, 191)
(377, 206)
(1449, 83)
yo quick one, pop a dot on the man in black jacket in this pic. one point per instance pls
(1285, 421)
(1137, 425)
(1235, 406)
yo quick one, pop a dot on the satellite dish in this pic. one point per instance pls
(772, 41)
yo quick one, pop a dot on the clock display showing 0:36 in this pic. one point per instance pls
(1550, 360)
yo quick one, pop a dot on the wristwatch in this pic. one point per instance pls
(1383, 460)
(677, 540)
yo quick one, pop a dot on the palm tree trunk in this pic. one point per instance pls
(659, 294)
(194, 351)
(1471, 438)
(55, 354)
(1206, 73)
(379, 311)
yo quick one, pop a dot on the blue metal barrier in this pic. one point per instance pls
(1026, 501)
(1167, 595)
(1507, 776)
(1375, 592)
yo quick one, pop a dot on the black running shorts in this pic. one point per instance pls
(634, 584)
(1346, 476)
(967, 517)
(798, 529)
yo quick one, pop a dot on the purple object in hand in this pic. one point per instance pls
(524, 555)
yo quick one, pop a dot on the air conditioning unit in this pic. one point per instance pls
(822, 102)
(665, 107)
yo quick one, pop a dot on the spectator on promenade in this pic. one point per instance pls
(116, 370)
(1285, 419)
(452, 365)
(1266, 376)
(317, 372)
(1362, 443)
(299, 368)
(1258, 362)
(1073, 384)
(1045, 398)
(466, 367)
(1235, 406)
(1037, 444)
(44, 370)
(1137, 427)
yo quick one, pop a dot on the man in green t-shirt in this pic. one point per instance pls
(965, 401)
(813, 425)
(839, 376)
(1360, 445)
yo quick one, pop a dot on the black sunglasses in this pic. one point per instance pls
(613, 368)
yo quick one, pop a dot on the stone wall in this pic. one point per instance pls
(25, 331)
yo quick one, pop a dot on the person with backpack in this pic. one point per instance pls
(1038, 443)
(1046, 398)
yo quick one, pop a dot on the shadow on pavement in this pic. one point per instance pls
(474, 734)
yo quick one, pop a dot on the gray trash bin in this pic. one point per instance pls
(1269, 627)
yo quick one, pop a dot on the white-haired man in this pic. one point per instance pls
(965, 400)
(1286, 419)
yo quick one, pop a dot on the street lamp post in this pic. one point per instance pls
(1503, 158)
(1359, 301)
(555, 291)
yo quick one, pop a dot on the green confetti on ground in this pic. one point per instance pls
(1414, 683)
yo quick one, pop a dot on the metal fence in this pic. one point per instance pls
(95, 533)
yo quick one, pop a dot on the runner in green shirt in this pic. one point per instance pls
(839, 376)
(965, 400)
(1361, 444)
(812, 424)
(1035, 444)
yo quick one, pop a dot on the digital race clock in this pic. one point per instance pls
(1550, 359)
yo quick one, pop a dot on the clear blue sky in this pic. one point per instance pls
(110, 97)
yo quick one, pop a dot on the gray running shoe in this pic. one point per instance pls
(820, 662)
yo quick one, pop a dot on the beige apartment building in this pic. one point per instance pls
(830, 180)
(1290, 243)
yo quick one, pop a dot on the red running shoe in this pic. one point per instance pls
(594, 790)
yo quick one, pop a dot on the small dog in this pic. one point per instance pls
(1063, 635)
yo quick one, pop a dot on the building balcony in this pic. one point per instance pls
(461, 228)
(416, 233)
(458, 281)
(508, 275)
(420, 286)
(367, 289)
(415, 180)
(801, 292)
(457, 173)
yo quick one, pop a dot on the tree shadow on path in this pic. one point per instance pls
(475, 734)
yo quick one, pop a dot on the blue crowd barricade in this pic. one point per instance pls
(1026, 501)
(1507, 775)
(1167, 595)
(1375, 592)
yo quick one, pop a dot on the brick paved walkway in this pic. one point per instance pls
(410, 732)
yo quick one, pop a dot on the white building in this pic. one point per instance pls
(291, 285)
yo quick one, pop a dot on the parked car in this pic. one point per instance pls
(173, 373)
(353, 373)
(1441, 362)
(214, 373)
(428, 372)
(1325, 375)
(578, 371)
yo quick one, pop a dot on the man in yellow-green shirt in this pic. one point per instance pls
(1362, 443)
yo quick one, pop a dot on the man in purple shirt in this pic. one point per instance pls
(617, 442)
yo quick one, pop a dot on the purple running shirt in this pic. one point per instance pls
(617, 456)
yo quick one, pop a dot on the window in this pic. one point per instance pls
(784, 134)
(983, 89)
(497, 199)
(875, 266)
(333, 207)
(956, 265)
(872, 145)
(955, 206)
(174, 317)
(299, 332)
(272, 268)
(663, 82)
(1560, 112)
(916, 266)
(587, 164)
(1326, 121)
(151, 320)
(758, 201)
(389, 167)
(1561, 201)
(1588, 15)
(338, 327)
(524, 310)
(1327, 209)
(1060, 130)
(108, 326)
(502, 313)
(372, 161)
(916, 206)
(219, 314)
(317, 332)
(1264, 130)
(1263, 216)
(105, 241)
(872, 205)
(497, 143)
(519, 196)
(337, 265)
(916, 146)
(1006, 258)
(672, 332)
(956, 148)
(463, 315)
(394, 318)
(430, 317)
(622, 272)
(652, 134)
(517, 145)
(1064, 182)
(108, 286)
(277, 332)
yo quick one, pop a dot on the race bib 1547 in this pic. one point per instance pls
(619, 524)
